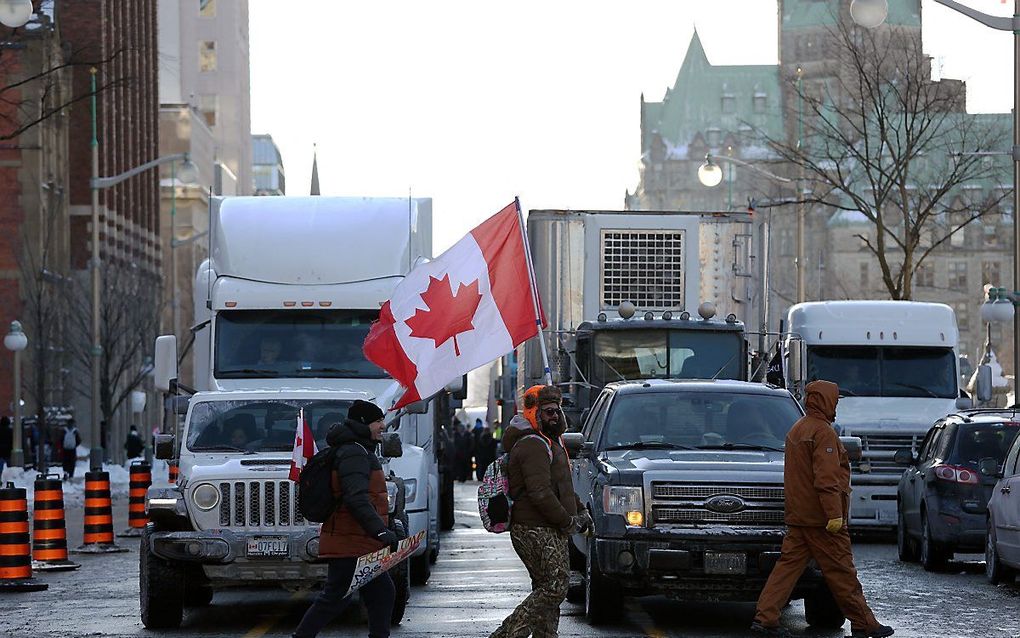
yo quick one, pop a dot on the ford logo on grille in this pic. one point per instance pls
(724, 504)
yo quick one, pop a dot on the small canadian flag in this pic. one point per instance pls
(304, 447)
(467, 307)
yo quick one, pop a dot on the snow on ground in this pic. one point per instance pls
(74, 489)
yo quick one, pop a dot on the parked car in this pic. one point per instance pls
(942, 496)
(1002, 537)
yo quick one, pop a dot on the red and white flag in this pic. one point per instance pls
(469, 306)
(304, 447)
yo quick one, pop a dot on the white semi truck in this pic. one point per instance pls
(896, 366)
(283, 305)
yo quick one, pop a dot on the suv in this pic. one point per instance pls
(941, 499)
(232, 519)
(684, 481)
(1002, 537)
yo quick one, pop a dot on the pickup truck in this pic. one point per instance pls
(684, 481)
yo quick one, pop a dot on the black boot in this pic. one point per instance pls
(878, 632)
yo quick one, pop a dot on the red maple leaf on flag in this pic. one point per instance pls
(448, 314)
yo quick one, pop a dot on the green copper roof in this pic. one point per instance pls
(695, 104)
(799, 14)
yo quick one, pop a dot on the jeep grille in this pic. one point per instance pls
(259, 504)
(692, 504)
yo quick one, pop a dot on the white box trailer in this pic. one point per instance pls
(896, 366)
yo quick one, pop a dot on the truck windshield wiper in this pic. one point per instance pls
(847, 393)
(251, 371)
(741, 446)
(225, 448)
(916, 387)
(333, 370)
(648, 445)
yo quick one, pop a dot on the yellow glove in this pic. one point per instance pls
(834, 525)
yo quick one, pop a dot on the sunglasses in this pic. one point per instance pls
(550, 411)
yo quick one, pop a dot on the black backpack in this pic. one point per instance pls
(316, 501)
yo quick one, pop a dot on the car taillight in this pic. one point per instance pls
(956, 474)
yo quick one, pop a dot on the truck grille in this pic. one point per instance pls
(878, 450)
(259, 504)
(693, 503)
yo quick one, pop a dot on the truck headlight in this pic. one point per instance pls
(206, 497)
(410, 489)
(627, 502)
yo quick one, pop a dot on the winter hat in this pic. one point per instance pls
(364, 412)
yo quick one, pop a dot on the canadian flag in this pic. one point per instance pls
(469, 306)
(304, 447)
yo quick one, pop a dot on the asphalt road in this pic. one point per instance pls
(477, 581)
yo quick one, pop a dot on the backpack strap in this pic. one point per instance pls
(544, 442)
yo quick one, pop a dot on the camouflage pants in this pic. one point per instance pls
(544, 552)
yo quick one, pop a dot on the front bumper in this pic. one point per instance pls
(673, 563)
(418, 522)
(874, 504)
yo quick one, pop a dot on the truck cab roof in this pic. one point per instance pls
(695, 385)
(714, 325)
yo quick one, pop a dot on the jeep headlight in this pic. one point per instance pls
(410, 489)
(206, 497)
(627, 502)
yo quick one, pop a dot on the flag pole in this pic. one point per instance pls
(534, 292)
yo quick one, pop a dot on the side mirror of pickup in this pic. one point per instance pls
(988, 466)
(573, 441)
(164, 446)
(904, 456)
(165, 362)
(587, 448)
(853, 447)
(391, 447)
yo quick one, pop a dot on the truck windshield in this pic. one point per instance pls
(699, 420)
(259, 426)
(676, 354)
(880, 371)
(293, 343)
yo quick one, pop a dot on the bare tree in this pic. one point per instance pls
(880, 137)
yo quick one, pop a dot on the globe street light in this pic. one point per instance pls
(709, 174)
(16, 341)
(15, 13)
(869, 13)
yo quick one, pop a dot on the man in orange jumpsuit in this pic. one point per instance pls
(817, 487)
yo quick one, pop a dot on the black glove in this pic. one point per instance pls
(388, 538)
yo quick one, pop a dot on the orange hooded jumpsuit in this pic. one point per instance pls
(817, 487)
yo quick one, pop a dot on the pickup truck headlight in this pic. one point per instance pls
(410, 489)
(627, 502)
(391, 495)
(206, 496)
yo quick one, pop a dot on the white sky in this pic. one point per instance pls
(472, 103)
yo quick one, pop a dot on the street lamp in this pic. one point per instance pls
(998, 23)
(16, 341)
(869, 13)
(98, 183)
(709, 173)
(15, 13)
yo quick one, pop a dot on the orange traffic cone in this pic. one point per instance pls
(141, 479)
(98, 516)
(15, 553)
(49, 532)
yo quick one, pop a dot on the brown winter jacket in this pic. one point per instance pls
(817, 468)
(359, 481)
(542, 492)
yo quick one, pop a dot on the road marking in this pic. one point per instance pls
(263, 628)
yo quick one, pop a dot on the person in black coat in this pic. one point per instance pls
(134, 446)
(465, 450)
(485, 451)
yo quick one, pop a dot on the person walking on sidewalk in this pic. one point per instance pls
(69, 443)
(545, 512)
(357, 527)
(817, 487)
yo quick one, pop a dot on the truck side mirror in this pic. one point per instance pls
(988, 466)
(458, 388)
(418, 407)
(853, 447)
(904, 456)
(164, 446)
(964, 403)
(165, 362)
(573, 441)
(391, 447)
(984, 383)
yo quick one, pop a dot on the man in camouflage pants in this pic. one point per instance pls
(545, 512)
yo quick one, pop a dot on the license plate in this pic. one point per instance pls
(265, 546)
(725, 563)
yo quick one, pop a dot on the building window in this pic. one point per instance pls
(714, 137)
(959, 237)
(991, 234)
(761, 102)
(864, 276)
(729, 104)
(207, 8)
(924, 276)
(991, 273)
(958, 275)
(962, 310)
(206, 56)
(209, 107)
(785, 242)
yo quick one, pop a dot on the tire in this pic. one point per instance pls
(933, 558)
(575, 557)
(906, 547)
(995, 571)
(421, 568)
(603, 600)
(401, 575)
(160, 587)
(197, 596)
(821, 610)
(447, 519)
